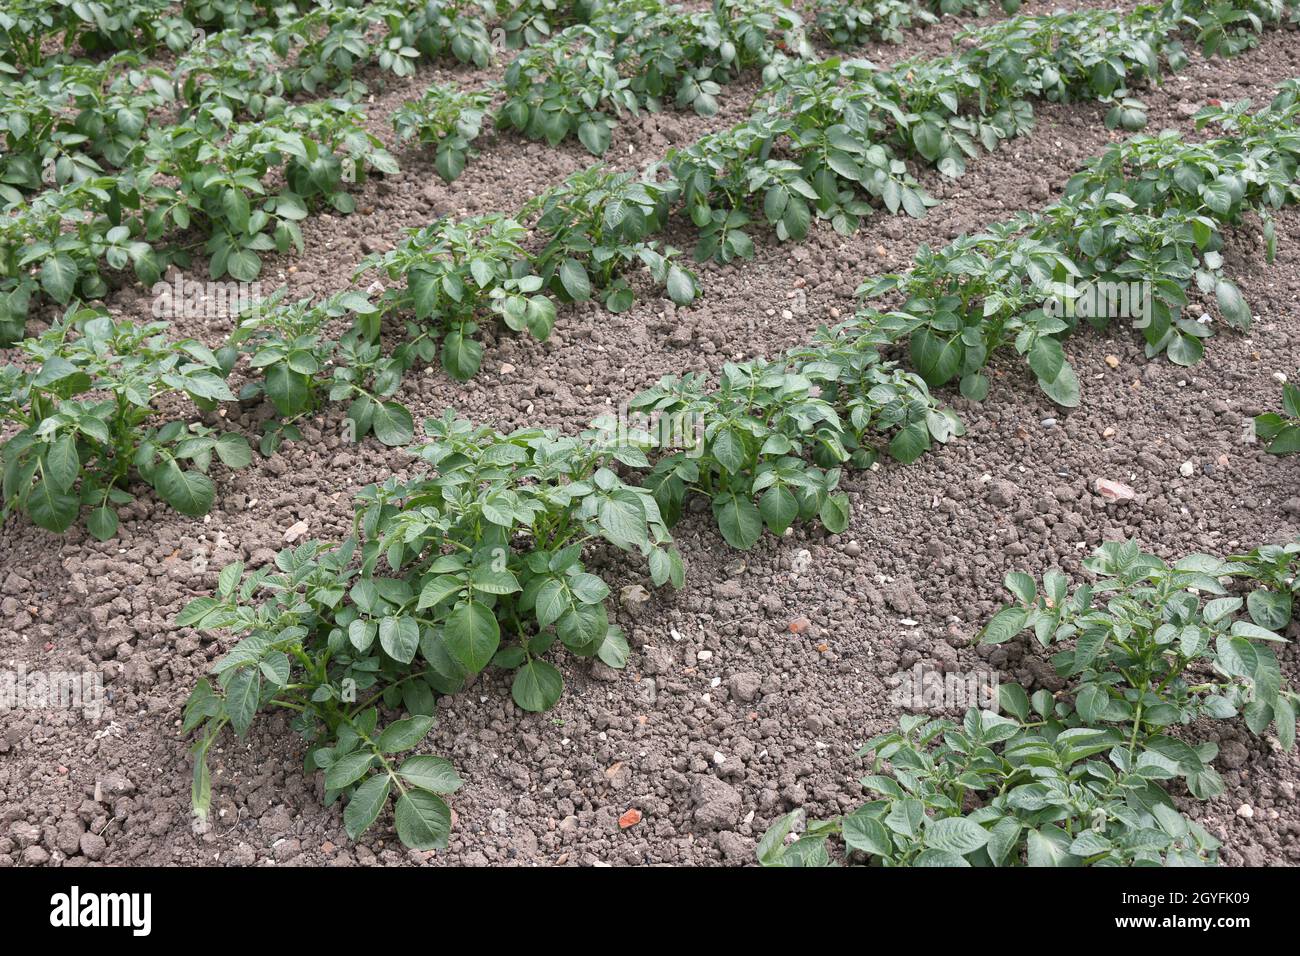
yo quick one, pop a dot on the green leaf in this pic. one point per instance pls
(59, 278)
(366, 804)
(1091, 702)
(393, 424)
(423, 820)
(1269, 609)
(867, 834)
(233, 451)
(537, 686)
(1064, 389)
(438, 589)
(928, 139)
(779, 508)
(574, 279)
(399, 636)
(189, 492)
(485, 579)
(1284, 718)
(588, 588)
(348, 769)
(62, 464)
(102, 523)
(243, 694)
(1004, 625)
(404, 734)
(729, 450)
(244, 265)
(738, 519)
(613, 649)
(1232, 304)
(1014, 700)
(680, 287)
(234, 206)
(594, 136)
(289, 391)
(1047, 849)
(1021, 585)
(834, 513)
(958, 835)
(275, 668)
(461, 355)
(910, 443)
(938, 359)
(431, 773)
(472, 635)
(52, 509)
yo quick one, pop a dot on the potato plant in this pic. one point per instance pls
(565, 87)
(596, 224)
(768, 446)
(246, 187)
(454, 274)
(56, 245)
(1043, 799)
(1148, 648)
(1271, 570)
(1281, 430)
(1168, 647)
(86, 420)
(67, 122)
(478, 563)
(292, 355)
(272, 668)
(447, 119)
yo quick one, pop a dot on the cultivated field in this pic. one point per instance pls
(568, 433)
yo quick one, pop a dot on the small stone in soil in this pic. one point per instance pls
(1114, 490)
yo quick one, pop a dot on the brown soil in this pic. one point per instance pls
(928, 543)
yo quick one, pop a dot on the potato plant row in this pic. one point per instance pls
(338, 30)
(243, 188)
(1078, 777)
(1142, 224)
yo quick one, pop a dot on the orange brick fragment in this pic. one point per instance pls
(629, 819)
